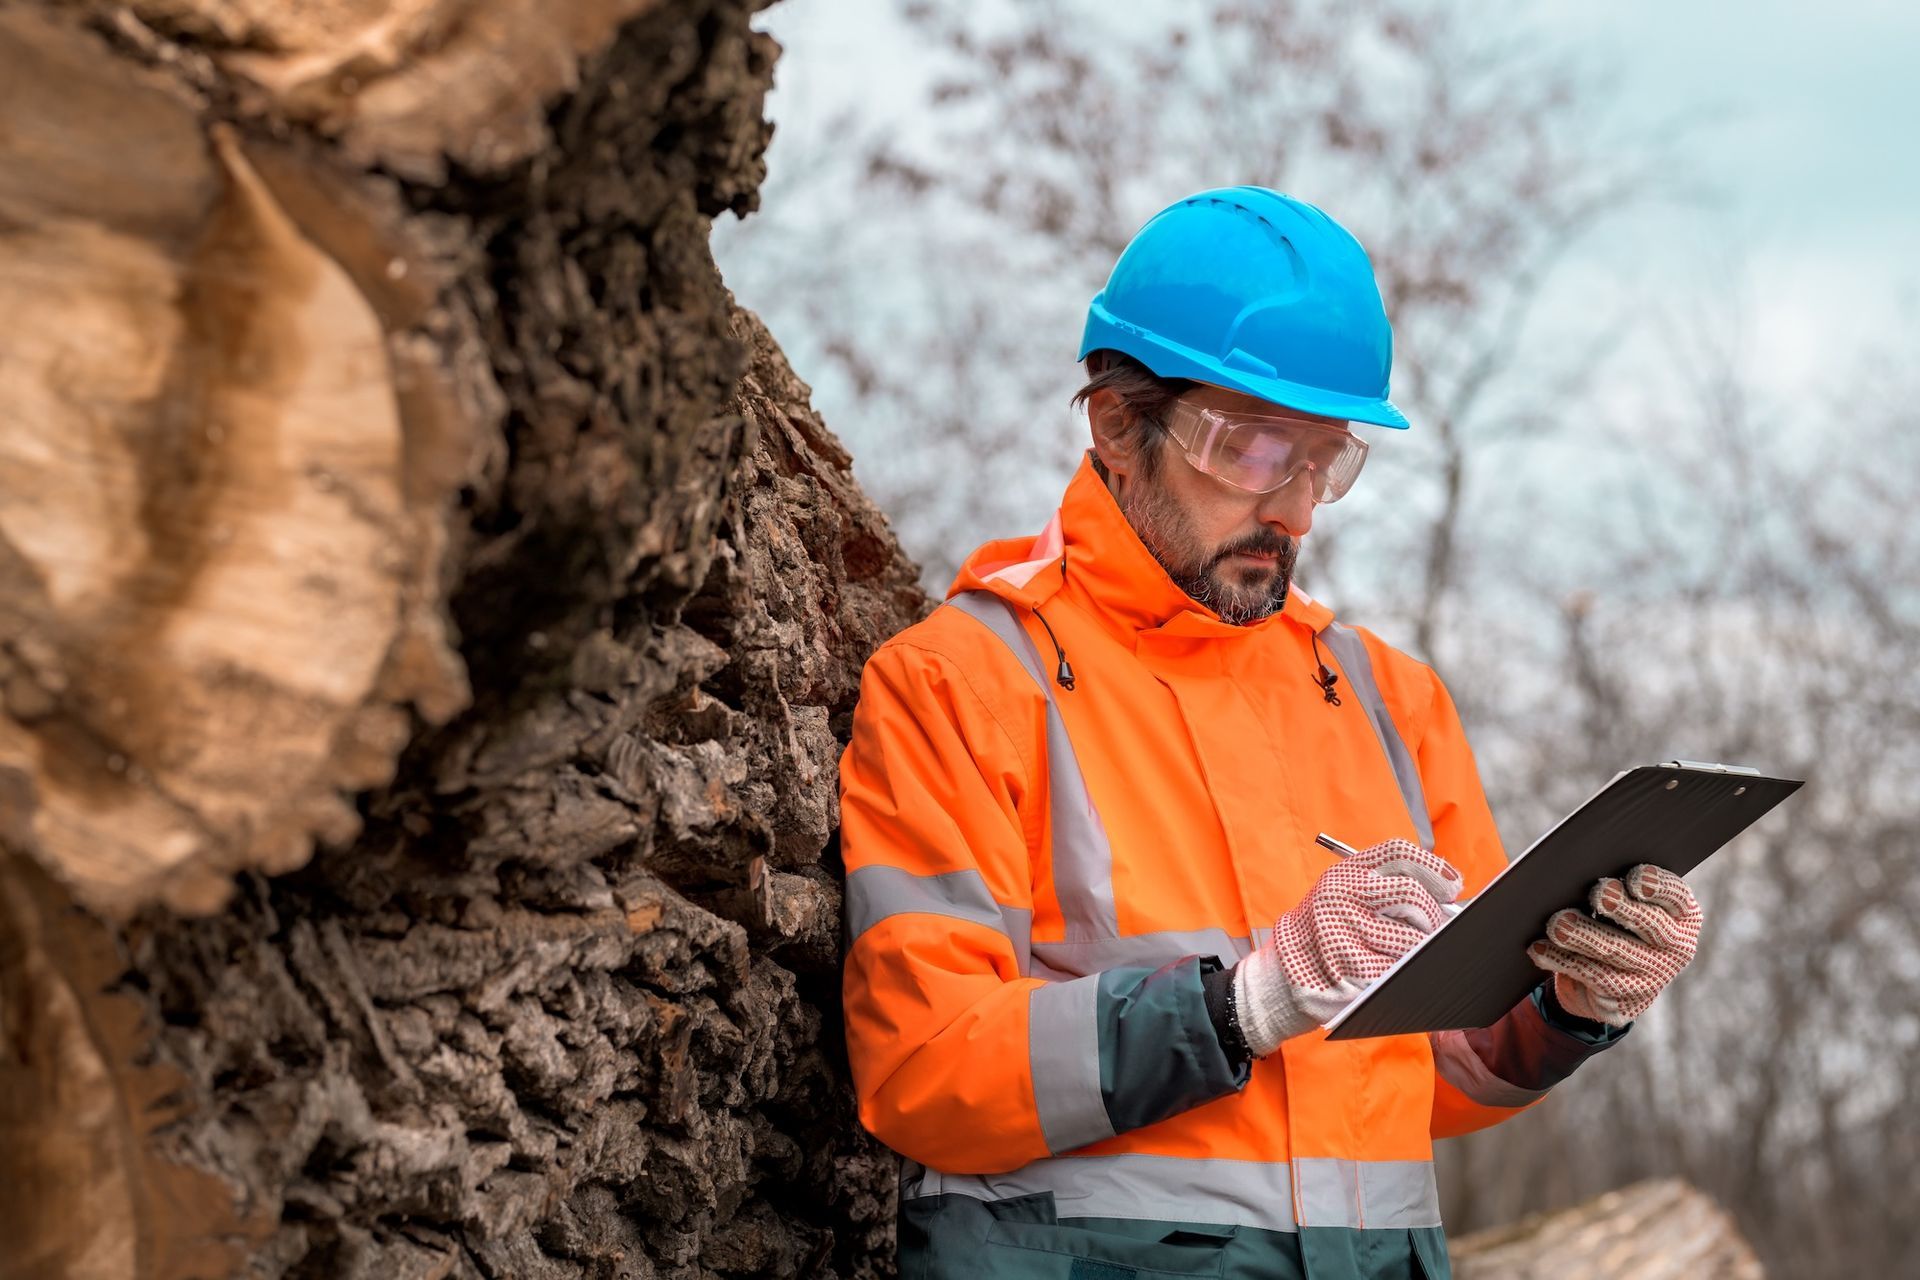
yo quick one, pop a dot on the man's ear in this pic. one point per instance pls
(1112, 442)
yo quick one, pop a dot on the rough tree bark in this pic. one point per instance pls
(429, 612)
(429, 616)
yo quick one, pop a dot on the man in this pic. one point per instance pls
(1077, 796)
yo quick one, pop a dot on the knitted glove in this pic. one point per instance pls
(1611, 975)
(1360, 916)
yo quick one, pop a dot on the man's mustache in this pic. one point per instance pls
(1263, 543)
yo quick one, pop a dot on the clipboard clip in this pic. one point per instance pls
(1707, 767)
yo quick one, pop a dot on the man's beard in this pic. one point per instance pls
(1164, 528)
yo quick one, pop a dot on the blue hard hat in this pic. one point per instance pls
(1257, 292)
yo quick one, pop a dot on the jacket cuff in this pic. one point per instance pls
(1516, 1060)
(1586, 1030)
(1217, 985)
(1528, 1049)
(1123, 1048)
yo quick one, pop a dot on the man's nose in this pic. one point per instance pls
(1290, 507)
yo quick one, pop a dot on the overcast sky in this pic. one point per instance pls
(1816, 155)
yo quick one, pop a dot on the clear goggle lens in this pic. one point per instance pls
(1263, 452)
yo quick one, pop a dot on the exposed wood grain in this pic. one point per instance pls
(429, 617)
(1656, 1230)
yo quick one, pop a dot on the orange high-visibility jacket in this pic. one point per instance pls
(1037, 877)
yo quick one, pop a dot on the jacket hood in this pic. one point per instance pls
(1090, 552)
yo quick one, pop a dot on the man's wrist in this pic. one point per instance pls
(1555, 1015)
(1223, 1011)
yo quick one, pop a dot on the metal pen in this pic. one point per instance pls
(1340, 847)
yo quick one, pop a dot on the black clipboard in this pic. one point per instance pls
(1474, 968)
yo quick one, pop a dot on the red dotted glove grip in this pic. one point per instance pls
(1359, 917)
(1611, 972)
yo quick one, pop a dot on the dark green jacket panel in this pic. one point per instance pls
(951, 1237)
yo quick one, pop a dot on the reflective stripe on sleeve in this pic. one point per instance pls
(875, 893)
(1082, 857)
(1063, 1046)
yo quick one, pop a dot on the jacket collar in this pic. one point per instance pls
(1109, 570)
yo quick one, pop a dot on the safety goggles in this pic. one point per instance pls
(1261, 452)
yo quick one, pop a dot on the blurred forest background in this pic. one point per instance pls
(1655, 504)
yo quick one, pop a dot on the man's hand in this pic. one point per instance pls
(1360, 916)
(1609, 974)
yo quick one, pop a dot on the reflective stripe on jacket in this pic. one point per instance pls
(1038, 877)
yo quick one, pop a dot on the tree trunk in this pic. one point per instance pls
(429, 616)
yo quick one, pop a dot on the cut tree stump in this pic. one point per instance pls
(430, 613)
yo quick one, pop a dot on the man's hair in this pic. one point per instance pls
(1145, 398)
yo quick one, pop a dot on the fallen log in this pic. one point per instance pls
(1661, 1229)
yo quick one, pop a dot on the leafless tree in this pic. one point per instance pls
(1469, 161)
(1763, 604)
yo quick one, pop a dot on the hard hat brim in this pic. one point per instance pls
(1172, 360)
